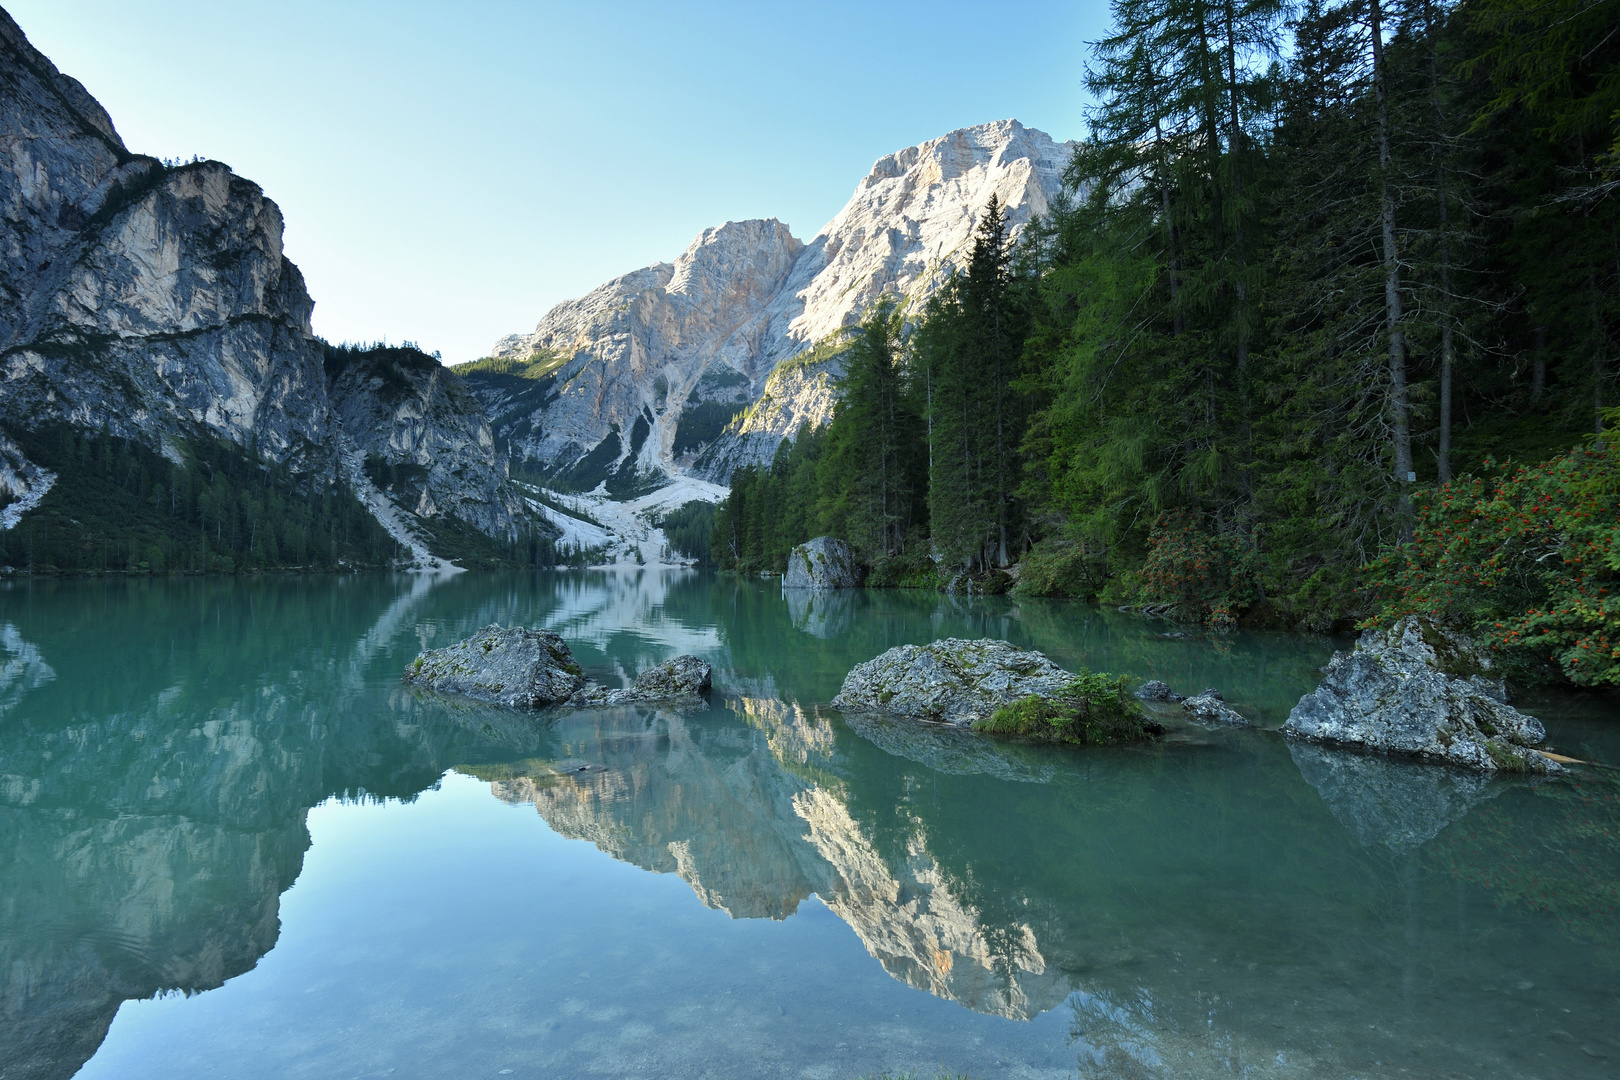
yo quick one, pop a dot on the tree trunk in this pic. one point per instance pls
(1538, 367)
(1399, 411)
(1442, 194)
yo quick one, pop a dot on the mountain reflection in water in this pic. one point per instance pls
(1225, 903)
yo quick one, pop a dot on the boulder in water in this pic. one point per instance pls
(1154, 690)
(1209, 707)
(507, 665)
(823, 563)
(953, 680)
(1419, 690)
(535, 668)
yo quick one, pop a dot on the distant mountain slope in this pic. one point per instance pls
(680, 367)
(152, 304)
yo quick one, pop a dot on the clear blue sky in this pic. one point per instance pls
(448, 171)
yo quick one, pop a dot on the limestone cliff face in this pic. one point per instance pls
(423, 435)
(723, 354)
(621, 363)
(155, 302)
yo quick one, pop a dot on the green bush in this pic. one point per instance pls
(1055, 568)
(1202, 577)
(913, 570)
(1527, 557)
(1096, 709)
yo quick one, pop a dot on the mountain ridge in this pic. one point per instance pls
(153, 303)
(636, 348)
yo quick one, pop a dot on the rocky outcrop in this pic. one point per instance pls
(505, 665)
(952, 681)
(750, 318)
(1419, 690)
(153, 301)
(532, 669)
(423, 437)
(823, 563)
(1210, 708)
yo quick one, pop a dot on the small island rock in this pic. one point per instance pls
(532, 669)
(1210, 708)
(823, 563)
(954, 680)
(1420, 690)
(507, 665)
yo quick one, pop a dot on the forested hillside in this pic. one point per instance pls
(1316, 262)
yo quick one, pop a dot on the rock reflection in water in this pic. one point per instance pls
(1225, 908)
(752, 818)
(151, 816)
(825, 613)
(1380, 800)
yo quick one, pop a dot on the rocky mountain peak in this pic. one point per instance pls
(680, 352)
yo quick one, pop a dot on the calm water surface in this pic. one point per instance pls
(233, 844)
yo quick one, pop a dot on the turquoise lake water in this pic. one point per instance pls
(233, 844)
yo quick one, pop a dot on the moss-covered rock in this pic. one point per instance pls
(1094, 710)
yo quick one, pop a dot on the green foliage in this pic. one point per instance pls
(861, 478)
(536, 366)
(702, 422)
(771, 510)
(689, 528)
(908, 570)
(1202, 577)
(969, 354)
(393, 365)
(1529, 555)
(1096, 709)
(1057, 568)
(119, 507)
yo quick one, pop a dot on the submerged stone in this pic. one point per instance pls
(1420, 690)
(823, 563)
(507, 665)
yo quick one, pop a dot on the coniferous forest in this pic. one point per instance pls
(1321, 331)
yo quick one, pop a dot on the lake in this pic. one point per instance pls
(232, 843)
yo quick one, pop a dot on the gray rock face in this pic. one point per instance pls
(154, 302)
(509, 666)
(403, 409)
(953, 680)
(751, 317)
(1208, 707)
(822, 563)
(1419, 690)
(532, 669)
